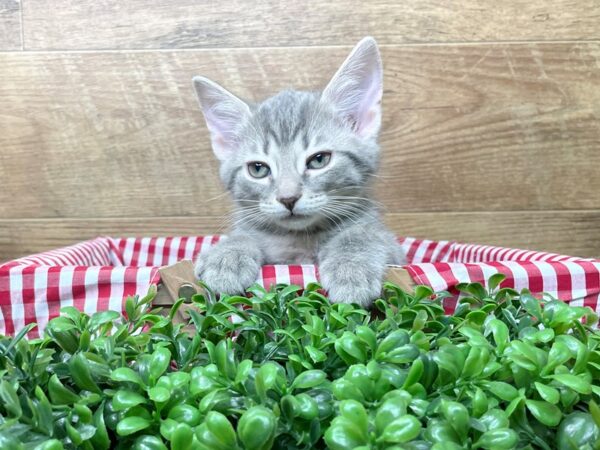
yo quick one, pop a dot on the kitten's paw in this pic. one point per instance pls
(351, 283)
(227, 270)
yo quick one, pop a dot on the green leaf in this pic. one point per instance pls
(123, 400)
(159, 362)
(131, 425)
(574, 382)
(309, 379)
(531, 305)
(500, 332)
(401, 430)
(100, 318)
(159, 394)
(545, 412)
(495, 280)
(501, 390)
(548, 393)
(500, 439)
(125, 374)
(10, 401)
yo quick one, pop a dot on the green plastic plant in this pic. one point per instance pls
(286, 369)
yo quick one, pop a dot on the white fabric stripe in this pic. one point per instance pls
(436, 251)
(174, 248)
(437, 281)
(460, 273)
(517, 256)
(143, 280)
(206, 245)
(96, 252)
(479, 250)
(143, 255)
(16, 300)
(189, 248)
(68, 256)
(418, 255)
(550, 282)
(406, 244)
(84, 253)
(529, 255)
(128, 251)
(40, 295)
(80, 257)
(448, 254)
(501, 256)
(578, 285)
(95, 258)
(577, 302)
(57, 257)
(117, 278)
(282, 274)
(309, 274)
(487, 271)
(519, 274)
(87, 255)
(90, 304)
(65, 286)
(158, 252)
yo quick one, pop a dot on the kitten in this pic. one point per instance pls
(300, 166)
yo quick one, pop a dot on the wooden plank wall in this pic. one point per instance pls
(491, 127)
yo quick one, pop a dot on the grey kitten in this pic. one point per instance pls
(300, 166)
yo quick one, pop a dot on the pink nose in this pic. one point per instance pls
(288, 202)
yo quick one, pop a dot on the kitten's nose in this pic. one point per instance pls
(288, 202)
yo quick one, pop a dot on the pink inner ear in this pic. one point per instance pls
(369, 108)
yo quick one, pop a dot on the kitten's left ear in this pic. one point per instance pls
(356, 88)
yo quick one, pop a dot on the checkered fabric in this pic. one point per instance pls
(96, 275)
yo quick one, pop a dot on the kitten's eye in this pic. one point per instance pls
(318, 160)
(258, 169)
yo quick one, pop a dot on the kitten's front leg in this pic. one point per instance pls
(231, 266)
(353, 263)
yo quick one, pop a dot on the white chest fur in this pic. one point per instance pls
(289, 249)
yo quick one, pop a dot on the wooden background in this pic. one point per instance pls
(491, 113)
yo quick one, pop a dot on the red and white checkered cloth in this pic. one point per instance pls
(96, 275)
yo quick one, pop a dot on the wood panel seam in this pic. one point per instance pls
(299, 47)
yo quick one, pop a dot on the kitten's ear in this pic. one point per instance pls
(223, 113)
(356, 88)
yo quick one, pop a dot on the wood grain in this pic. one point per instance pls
(92, 24)
(466, 128)
(10, 25)
(567, 232)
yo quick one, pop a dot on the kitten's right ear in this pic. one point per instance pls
(223, 113)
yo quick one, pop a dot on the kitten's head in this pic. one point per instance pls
(300, 160)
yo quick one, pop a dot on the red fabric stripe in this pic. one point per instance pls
(269, 277)
(104, 288)
(429, 251)
(28, 291)
(296, 275)
(410, 254)
(536, 279)
(509, 281)
(53, 294)
(182, 246)
(5, 300)
(592, 284)
(78, 287)
(135, 252)
(564, 281)
(166, 251)
(197, 246)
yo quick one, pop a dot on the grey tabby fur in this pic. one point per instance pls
(333, 222)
